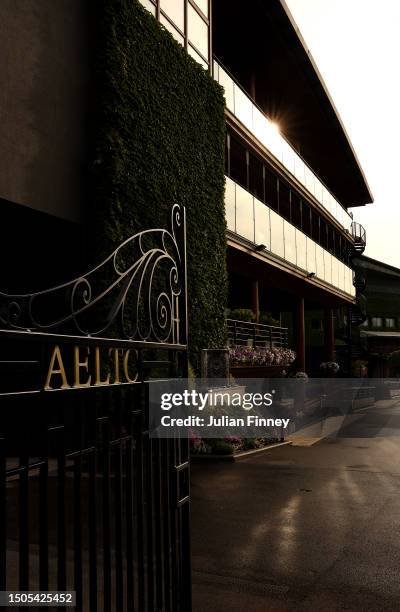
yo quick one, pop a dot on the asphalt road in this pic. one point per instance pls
(303, 527)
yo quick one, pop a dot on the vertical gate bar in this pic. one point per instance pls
(130, 582)
(179, 515)
(158, 509)
(119, 581)
(78, 583)
(166, 478)
(150, 505)
(139, 469)
(3, 516)
(43, 526)
(150, 522)
(174, 492)
(106, 516)
(92, 466)
(24, 523)
(61, 529)
(186, 565)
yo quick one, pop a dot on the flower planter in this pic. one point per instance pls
(249, 371)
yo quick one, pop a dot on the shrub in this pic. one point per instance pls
(250, 443)
(221, 447)
(266, 318)
(242, 314)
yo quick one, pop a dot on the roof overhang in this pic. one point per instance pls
(261, 45)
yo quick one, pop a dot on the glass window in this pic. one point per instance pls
(203, 6)
(287, 156)
(238, 162)
(296, 210)
(271, 189)
(174, 9)
(335, 272)
(197, 30)
(244, 213)
(290, 243)
(319, 256)
(277, 244)
(311, 257)
(284, 200)
(323, 234)
(338, 245)
(230, 204)
(345, 252)
(301, 250)
(331, 239)
(243, 108)
(274, 141)
(315, 226)
(256, 177)
(318, 189)
(348, 280)
(262, 229)
(328, 267)
(306, 219)
(334, 206)
(259, 125)
(226, 82)
(171, 29)
(342, 274)
(299, 169)
(390, 322)
(309, 180)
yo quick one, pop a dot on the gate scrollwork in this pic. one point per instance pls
(140, 288)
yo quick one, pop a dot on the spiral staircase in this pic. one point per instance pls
(358, 311)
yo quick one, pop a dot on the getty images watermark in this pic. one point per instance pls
(214, 399)
(214, 409)
(253, 408)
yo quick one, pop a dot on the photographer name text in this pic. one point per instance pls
(223, 421)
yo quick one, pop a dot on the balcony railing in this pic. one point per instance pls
(248, 113)
(256, 334)
(252, 220)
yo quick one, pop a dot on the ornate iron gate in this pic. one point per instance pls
(88, 502)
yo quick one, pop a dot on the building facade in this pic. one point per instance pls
(291, 173)
(379, 334)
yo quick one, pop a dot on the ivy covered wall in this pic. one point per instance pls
(158, 138)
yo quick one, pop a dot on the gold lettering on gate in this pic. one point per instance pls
(86, 368)
(98, 382)
(52, 371)
(80, 365)
(126, 370)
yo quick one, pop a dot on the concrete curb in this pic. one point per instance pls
(238, 456)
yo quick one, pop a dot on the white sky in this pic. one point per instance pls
(356, 45)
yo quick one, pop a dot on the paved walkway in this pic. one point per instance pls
(303, 528)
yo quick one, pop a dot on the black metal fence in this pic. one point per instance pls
(256, 334)
(88, 501)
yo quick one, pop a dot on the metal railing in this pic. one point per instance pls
(256, 334)
(358, 232)
(254, 221)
